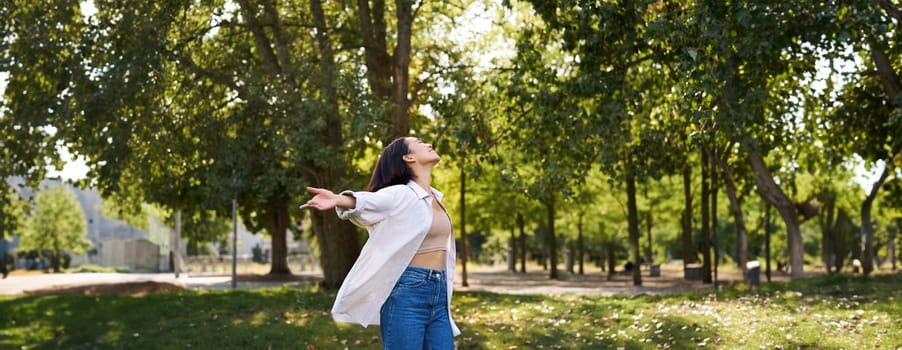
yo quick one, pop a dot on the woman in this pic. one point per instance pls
(404, 276)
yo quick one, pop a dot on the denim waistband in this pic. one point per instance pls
(426, 273)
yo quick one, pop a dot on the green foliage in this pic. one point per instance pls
(189, 104)
(35, 78)
(120, 207)
(97, 269)
(12, 211)
(861, 122)
(57, 223)
(202, 227)
(554, 135)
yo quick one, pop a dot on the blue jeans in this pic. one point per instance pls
(415, 316)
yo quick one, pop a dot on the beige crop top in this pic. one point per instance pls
(439, 233)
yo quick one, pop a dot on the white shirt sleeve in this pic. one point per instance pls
(373, 207)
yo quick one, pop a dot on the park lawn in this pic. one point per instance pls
(833, 312)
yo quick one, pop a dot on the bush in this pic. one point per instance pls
(97, 268)
(65, 261)
(257, 251)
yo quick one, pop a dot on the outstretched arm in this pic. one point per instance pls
(324, 199)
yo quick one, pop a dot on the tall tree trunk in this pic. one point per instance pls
(464, 241)
(3, 217)
(688, 251)
(569, 255)
(278, 225)
(612, 259)
(262, 42)
(521, 224)
(388, 74)
(736, 208)
(543, 258)
(551, 239)
(339, 246)
(338, 239)
(772, 193)
(887, 75)
(706, 220)
(827, 220)
(339, 243)
(715, 188)
(401, 68)
(844, 228)
(512, 249)
(608, 243)
(767, 240)
(269, 49)
(893, 244)
(581, 245)
(649, 218)
(376, 57)
(633, 221)
(889, 78)
(329, 77)
(648, 225)
(56, 256)
(867, 229)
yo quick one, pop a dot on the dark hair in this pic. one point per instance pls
(391, 169)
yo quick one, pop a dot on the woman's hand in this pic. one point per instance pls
(323, 199)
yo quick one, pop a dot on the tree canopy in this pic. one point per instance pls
(553, 111)
(57, 224)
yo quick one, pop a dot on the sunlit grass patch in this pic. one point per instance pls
(838, 312)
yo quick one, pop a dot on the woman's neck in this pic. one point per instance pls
(423, 177)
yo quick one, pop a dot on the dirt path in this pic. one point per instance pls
(537, 282)
(88, 283)
(496, 280)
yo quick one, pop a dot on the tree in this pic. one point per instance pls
(891, 146)
(12, 213)
(194, 104)
(190, 105)
(865, 119)
(746, 60)
(735, 209)
(551, 132)
(27, 148)
(614, 75)
(203, 227)
(388, 72)
(57, 224)
(892, 209)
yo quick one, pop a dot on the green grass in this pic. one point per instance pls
(836, 312)
(97, 268)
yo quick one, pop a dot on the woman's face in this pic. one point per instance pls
(420, 152)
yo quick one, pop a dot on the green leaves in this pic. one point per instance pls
(57, 223)
(693, 54)
(12, 211)
(39, 54)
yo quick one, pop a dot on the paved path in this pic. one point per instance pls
(24, 283)
(495, 280)
(536, 281)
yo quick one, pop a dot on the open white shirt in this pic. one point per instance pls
(397, 219)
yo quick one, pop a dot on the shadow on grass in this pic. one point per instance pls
(298, 318)
(878, 292)
(278, 318)
(838, 285)
(498, 321)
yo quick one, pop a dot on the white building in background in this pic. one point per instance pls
(118, 244)
(136, 254)
(114, 243)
